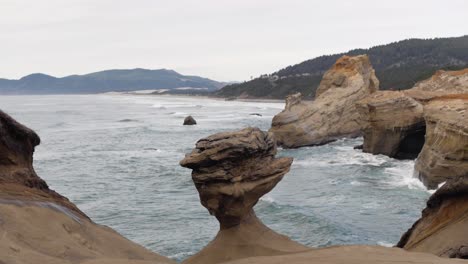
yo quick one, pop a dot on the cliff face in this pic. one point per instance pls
(445, 153)
(393, 122)
(333, 113)
(41, 226)
(443, 227)
(231, 171)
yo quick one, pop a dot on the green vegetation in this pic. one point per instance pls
(398, 65)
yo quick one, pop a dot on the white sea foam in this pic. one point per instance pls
(385, 244)
(267, 199)
(402, 174)
(342, 158)
(438, 187)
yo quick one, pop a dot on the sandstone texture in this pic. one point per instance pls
(443, 228)
(445, 152)
(231, 171)
(38, 225)
(393, 122)
(189, 121)
(333, 113)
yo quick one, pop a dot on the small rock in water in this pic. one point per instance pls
(359, 146)
(256, 114)
(189, 121)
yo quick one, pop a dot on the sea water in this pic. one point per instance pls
(117, 157)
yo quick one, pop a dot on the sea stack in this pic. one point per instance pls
(39, 225)
(332, 115)
(189, 121)
(231, 171)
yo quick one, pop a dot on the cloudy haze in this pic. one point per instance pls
(222, 40)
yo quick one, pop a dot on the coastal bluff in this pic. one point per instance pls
(38, 225)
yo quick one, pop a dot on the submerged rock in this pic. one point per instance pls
(443, 228)
(231, 171)
(40, 225)
(333, 114)
(445, 153)
(189, 121)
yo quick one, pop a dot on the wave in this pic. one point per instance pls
(402, 175)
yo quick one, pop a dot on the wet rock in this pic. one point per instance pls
(332, 114)
(189, 121)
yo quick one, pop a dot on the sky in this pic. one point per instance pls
(219, 39)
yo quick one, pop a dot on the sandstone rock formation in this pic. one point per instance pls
(351, 255)
(231, 171)
(189, 121)
(393, 122)
(442, 82)
(443, 228)
(445, 153)
(333, 114)
(39, 225)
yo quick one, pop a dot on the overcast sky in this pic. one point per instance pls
(219, 39)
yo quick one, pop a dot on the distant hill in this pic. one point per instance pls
(106, 81)
(398, 65)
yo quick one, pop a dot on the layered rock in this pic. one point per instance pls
(332, 114)
(231, 171)
(39, 225)
(351, 255)
(445, 152)
(393, 122)
(445, 82)
(443, 228)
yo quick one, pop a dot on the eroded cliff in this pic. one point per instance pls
(333, 113)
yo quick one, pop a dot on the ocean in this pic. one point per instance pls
(117, 158)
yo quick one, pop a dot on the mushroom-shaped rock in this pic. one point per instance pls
(443, 228)
(332, 114)
(189, 121)
(231, 171)
(445, 152)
